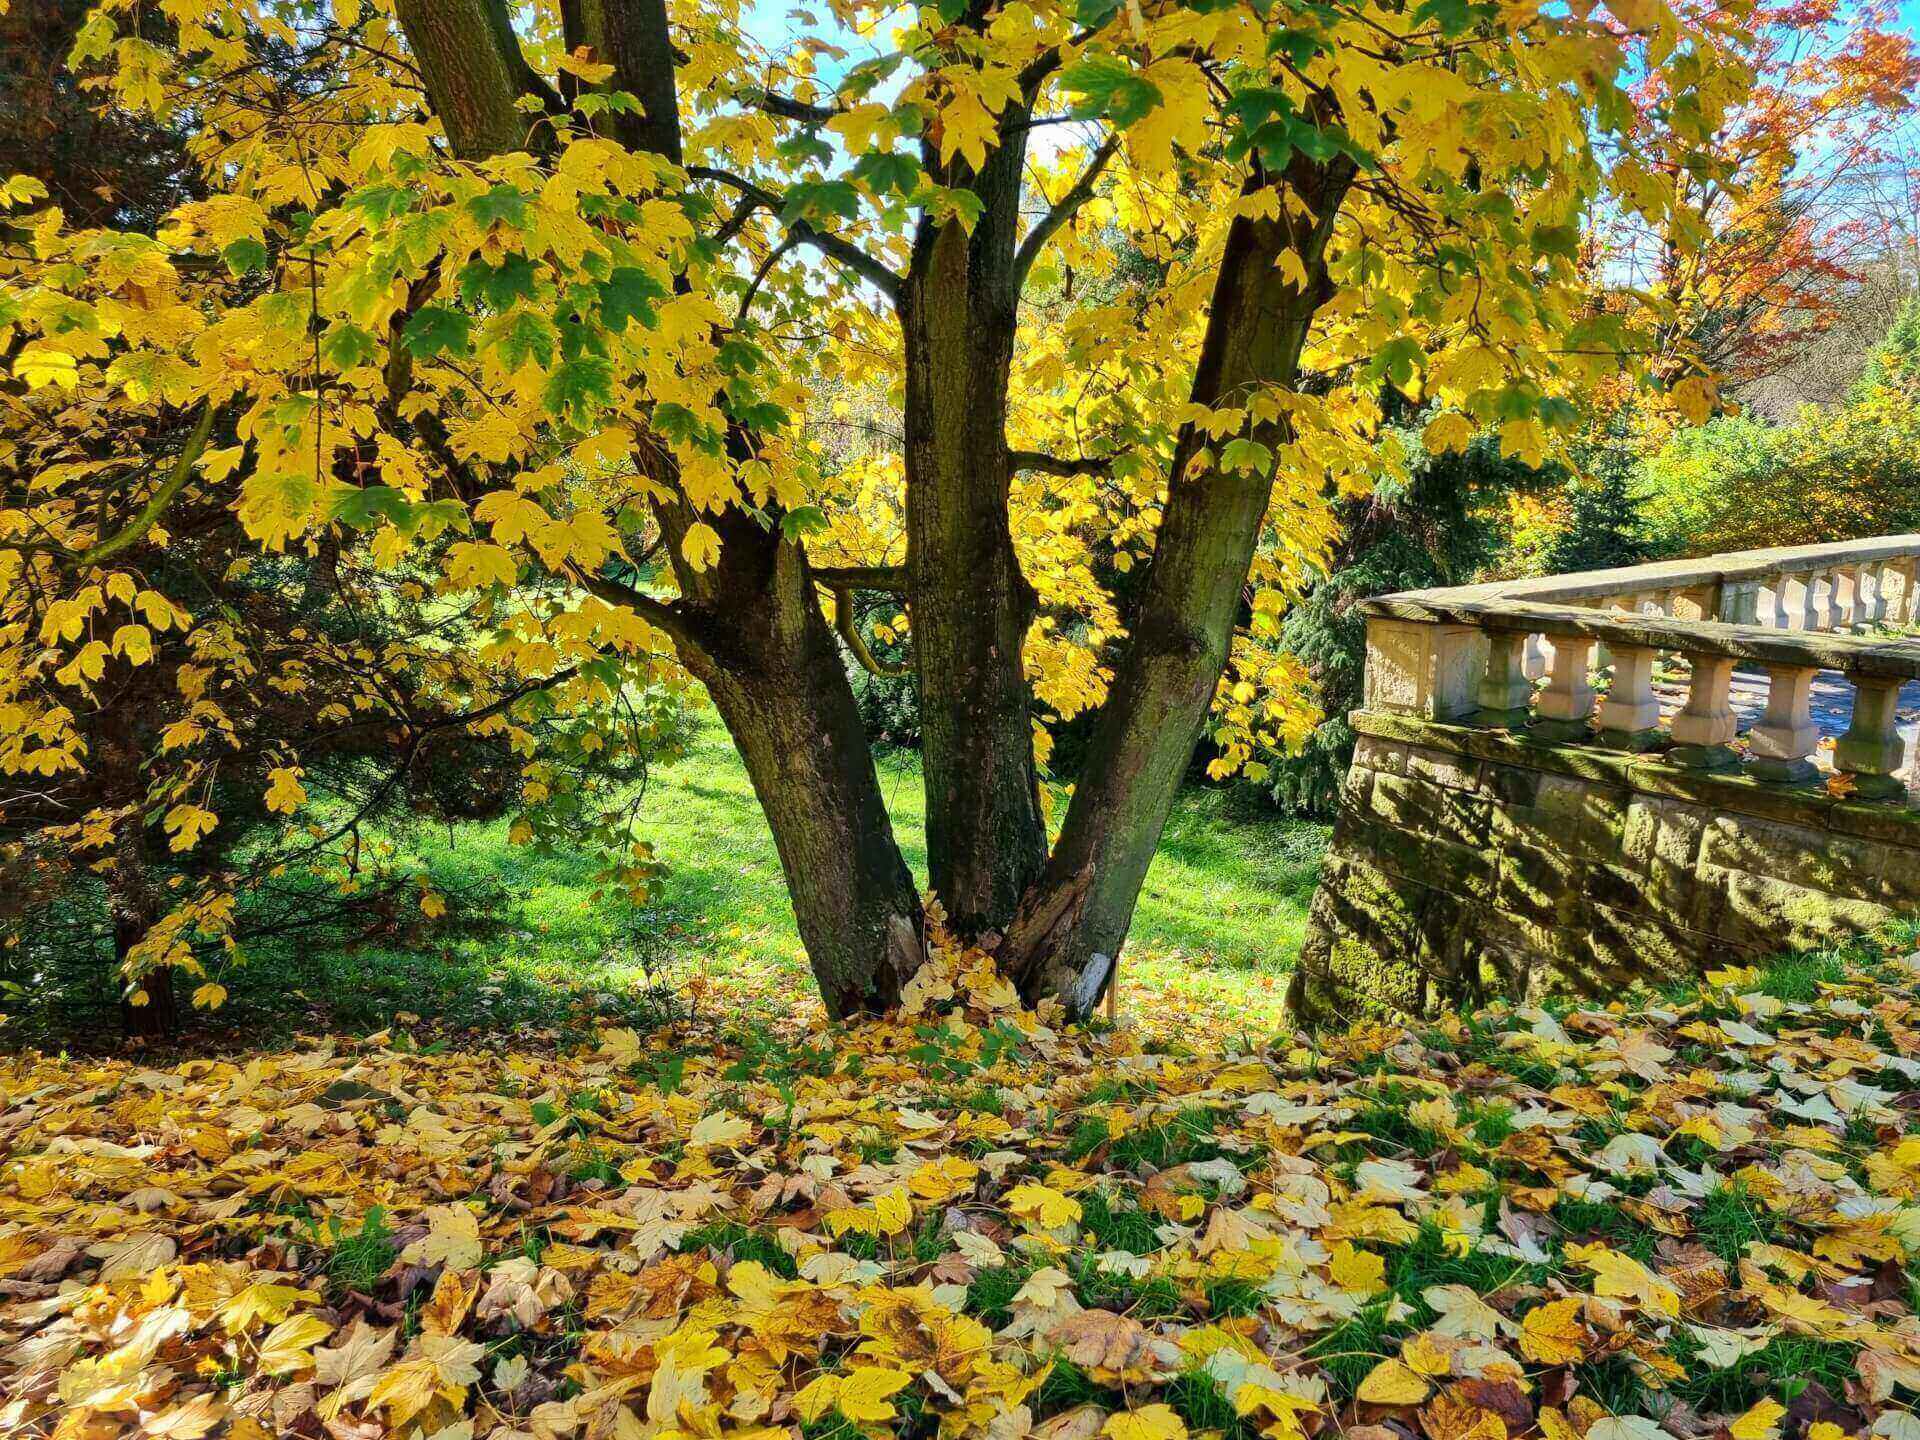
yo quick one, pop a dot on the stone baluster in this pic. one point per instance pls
(1505, 690)
(1566, 705)
(1872, 751)
(1783, 594)
(1539, 655)
(1782, 744)
(1814, 616)
(1848, 612)
(1703, 731)
(1737, 603)
(1826, 607)
(1901, 608)
(1873, 594)
(1630, 715)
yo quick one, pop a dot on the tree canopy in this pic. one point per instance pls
(536, 316)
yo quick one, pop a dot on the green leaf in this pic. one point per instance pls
(366, 506)
(1246, 455)
(526, 336)
(244, 256)
(502, 205)
(436, 329)
(1399, 360)
(1108, 86)
(579, 389)
(497, 286)
(804, 520)
(628, 294)
(820, 200)
(885, 171)
(346, 346)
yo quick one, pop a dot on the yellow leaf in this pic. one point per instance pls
(286, 1346)
(210, 996)
(1355, 1269)
(284, 791)
(1552, 1334)
(1392, 1383)
(1039, 1203)
(1762, 1422)
(40, 367)
(1621, 1277)
(700, 546)
(1149, 1422)
(452, 1238)
(186, 824)
(1449, 433)
(863, 1394)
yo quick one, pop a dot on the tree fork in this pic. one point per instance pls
(1183, 625)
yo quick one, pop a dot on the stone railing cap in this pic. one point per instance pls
(1469, 605)
(1665, 575)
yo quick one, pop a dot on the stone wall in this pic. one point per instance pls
(1471, 862)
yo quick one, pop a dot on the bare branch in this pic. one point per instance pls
(843, 621)
(1070, 202)
(1057, 465)
(891, 578)
(835, 247)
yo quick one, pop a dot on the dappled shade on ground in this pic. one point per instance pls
(1691, 1215)
(528, 941)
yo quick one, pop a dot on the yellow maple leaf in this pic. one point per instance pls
(1041, 1204)
(1762, 1422)
(1621, 1277)
(1392, 1383)
(287, 1346)
(1149, 1422)
(1553, 1334)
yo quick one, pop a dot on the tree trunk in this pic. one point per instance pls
(752, 628)
(971, 605)
(133, 905)
(1073, 923)
(784, 696)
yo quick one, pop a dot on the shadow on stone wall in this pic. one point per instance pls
(1470, 863)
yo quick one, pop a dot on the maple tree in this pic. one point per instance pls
(1757, 267)
(508, 305)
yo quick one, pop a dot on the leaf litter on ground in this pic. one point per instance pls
(1681, 1217)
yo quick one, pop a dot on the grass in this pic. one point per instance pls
(529, 943)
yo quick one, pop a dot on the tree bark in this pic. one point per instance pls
(782, 690)
(971, 605)
(1071, 926)
(754, 633)
(133, 904)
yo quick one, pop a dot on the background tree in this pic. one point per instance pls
(523, 310)
(1442, 523)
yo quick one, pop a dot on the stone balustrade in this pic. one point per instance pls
(1521, 656)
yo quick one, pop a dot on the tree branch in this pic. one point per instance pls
(787, 108)
(661, 614)
(835, 247)
(891, 578)
(1055, 465)
(1070, 202)
(157, 503)
(760, 275)
(843, 621)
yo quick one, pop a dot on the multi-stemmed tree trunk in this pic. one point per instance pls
(751, 627)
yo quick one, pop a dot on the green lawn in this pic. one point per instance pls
(527, 942)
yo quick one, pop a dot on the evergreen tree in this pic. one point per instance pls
(1436, 527)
